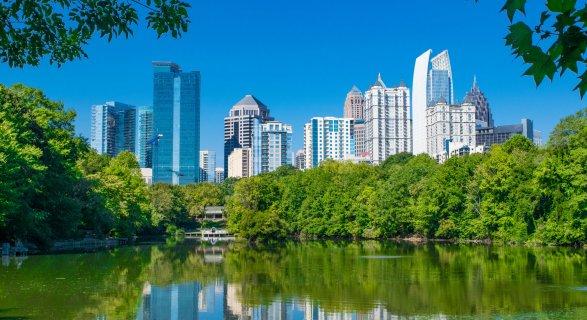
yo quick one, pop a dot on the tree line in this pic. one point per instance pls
(516, 193)
(53, 186)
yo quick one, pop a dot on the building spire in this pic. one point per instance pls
(474, 81)
(379, 81)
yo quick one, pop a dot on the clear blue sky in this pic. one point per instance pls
(301, 57)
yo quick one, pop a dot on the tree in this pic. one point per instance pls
(556, 44)
(39, 197)
(562, 184)
(125, 194)
(59, 29)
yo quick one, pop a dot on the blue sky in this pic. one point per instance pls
(301, 57)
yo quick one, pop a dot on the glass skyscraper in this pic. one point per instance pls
(207, 165)
(113, 128)
(432, 83)
(144, 137)
(176, 123)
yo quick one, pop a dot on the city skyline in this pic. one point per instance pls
(301, 81)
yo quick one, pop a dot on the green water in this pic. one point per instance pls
(317, 280)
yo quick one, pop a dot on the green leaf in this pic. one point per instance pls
(511, 6)
(541, 63)
(582, 86)
(519, 38)
(561, 5)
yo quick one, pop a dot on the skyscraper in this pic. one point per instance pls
(207, 165)
(176, 121)
(360, 134)
(449, 123)
(218, 175)
(387, 121)
(328, 138)
(113, 128)
(240, 163)
(300, 160)
(244, 117)
(144, 137)
(275, 145)
(354, 104)
(432, 81)
(483, 114)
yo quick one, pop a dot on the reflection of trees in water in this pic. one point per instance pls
(323, 280)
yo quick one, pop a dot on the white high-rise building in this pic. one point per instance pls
(387, 121)
(240, 163)
(218, 175)
(275, 145)
(207, 165)
(328, 138)
(300, 159)
(449, 124)
(432, 81)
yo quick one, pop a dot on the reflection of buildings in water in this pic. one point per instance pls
(214, 254)
(182, 302)
(224, 301)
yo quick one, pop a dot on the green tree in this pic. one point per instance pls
(60, 29)
(125, 194)
(562, 183)
(198, 196)
(38, 175)
(167, 206)
(503, 196)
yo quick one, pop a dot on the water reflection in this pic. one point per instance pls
(220, 301)
(316, 280)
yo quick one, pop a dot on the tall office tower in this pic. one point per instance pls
(275, 145)
(144, 137)
(360, 134)
(300, 159)
(218, 175)
(113, 128)
(432, 80)
(354, 104)
(387, 121)
(240, 163)
(207, 165)
(328, 138)
(449, 123)
(176, 123)
(482, 110)
(499, 134)
(243, 119)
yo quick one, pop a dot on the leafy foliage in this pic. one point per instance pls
(59, 29)
(556, 44)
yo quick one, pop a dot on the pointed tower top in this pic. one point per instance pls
(379, 82)
(355, 89)
(474, 81)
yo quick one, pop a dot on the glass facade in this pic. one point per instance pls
(144, 137)
(113, 128)
(176, 121)
(207, 165)
(439, 84)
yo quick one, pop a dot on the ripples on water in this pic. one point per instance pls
(316, 280)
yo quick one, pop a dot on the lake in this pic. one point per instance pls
(313, 280)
